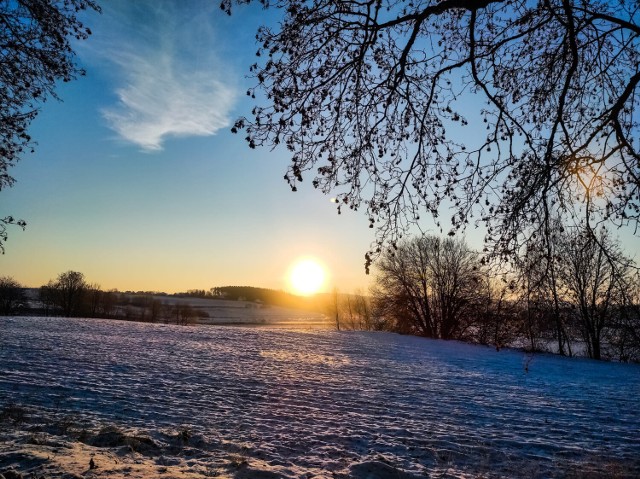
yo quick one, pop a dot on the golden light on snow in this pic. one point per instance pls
(307, 276)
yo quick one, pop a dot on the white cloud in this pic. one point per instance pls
(169, 82)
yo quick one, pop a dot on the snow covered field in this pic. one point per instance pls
(145, 400)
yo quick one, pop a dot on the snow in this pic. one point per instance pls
(151, 400)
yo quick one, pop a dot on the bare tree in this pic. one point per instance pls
(350, 311)
(545, 306)
(373, 100)
(535, 303)
(11, 295)
(93, 300)
(597, 278)
(36, 53)
(624, 334)
(108, 303)
(402, 291)
(351, 319)
(334, 307)
(68, 292)
(496, 312)
(182, 313)
(427, 286)
(454, 271)
(47, 300)
(156, 309)
(363, 310)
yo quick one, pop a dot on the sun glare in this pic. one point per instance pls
(307, 276)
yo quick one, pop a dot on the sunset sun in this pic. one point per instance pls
(307, 276)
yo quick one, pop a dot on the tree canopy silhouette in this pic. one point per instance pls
(428, 286)
(512, 112)
(67, 292)
(35, 53)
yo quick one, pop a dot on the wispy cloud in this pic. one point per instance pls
(168, 80)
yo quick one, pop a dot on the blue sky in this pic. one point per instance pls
(137, 181)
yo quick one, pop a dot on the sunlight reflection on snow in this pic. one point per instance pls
(320, 400)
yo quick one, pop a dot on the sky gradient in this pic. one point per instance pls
(138, 183)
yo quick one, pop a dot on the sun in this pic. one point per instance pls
(307, 276)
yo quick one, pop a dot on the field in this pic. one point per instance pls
(99, 398)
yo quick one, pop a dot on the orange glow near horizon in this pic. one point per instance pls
(307, 276)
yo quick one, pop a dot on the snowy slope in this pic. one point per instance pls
(328, 404)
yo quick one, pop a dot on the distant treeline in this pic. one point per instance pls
(578, 294)
(266, 296)
(70, 295)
